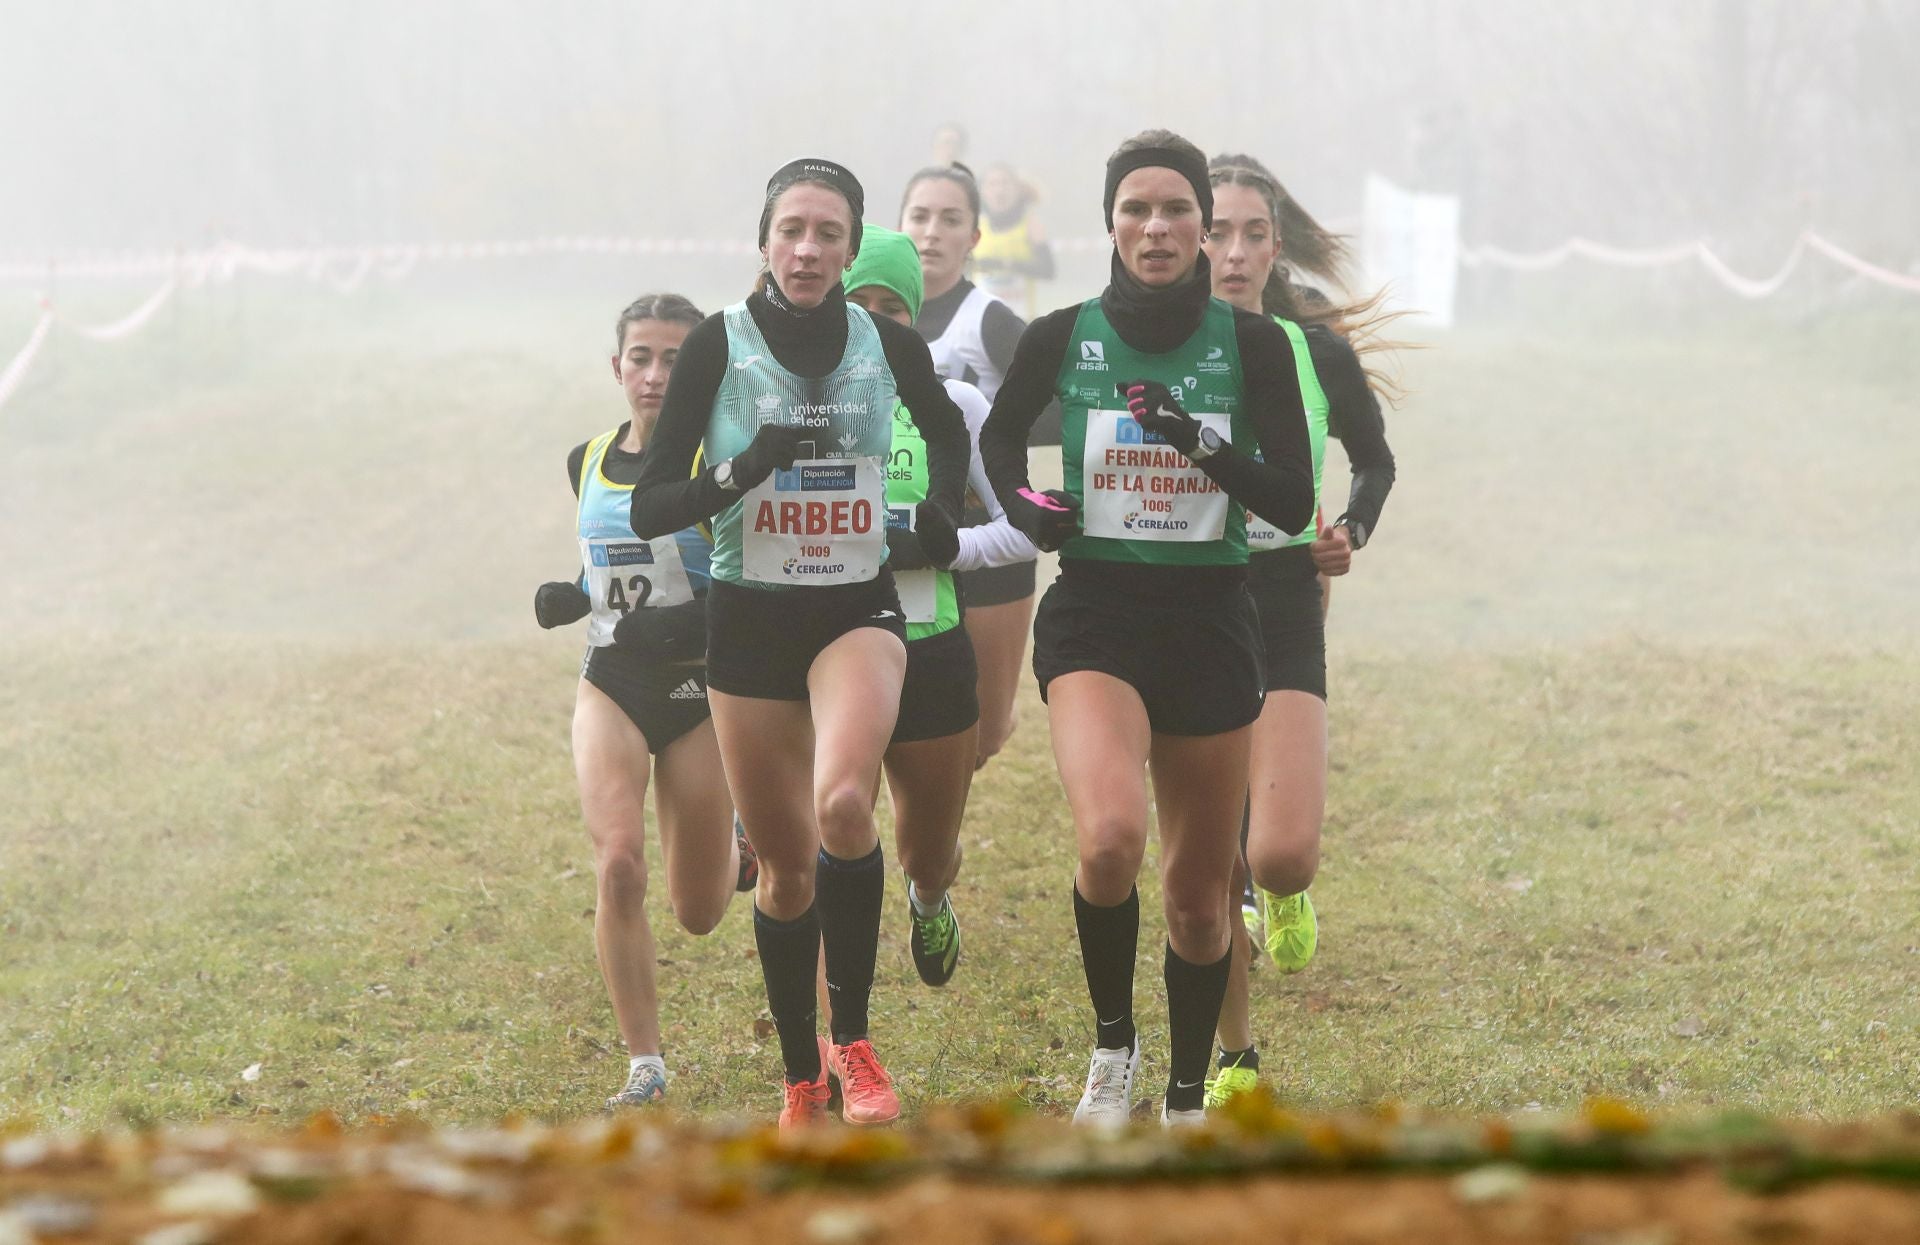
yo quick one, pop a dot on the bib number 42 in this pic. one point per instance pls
(639, 585)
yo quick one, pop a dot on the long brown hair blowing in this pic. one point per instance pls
(1312, 247)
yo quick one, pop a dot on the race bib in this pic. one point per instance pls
(919, 590)
(919, 595)
(1140, 488)
(631, 574)
(821, 522)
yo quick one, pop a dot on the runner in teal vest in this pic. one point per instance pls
(1254, 225)
(1147, 648)
(786, 402)
(931, 760)
(642, 701)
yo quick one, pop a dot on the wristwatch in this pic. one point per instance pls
(723, 475)
(1209, 444)
(1356, 531)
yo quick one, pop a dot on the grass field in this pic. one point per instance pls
(1624, 725)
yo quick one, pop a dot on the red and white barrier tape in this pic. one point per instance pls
(346, 269)
(1746, 287)
(17, 370)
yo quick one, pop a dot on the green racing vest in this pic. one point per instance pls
(1141, 500)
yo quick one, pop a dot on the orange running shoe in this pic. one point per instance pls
(806, 1102)
(866, 1091)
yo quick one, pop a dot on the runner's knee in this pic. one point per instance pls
(845, 814)
(621, 867)
(1284, 867)
(1111, 852)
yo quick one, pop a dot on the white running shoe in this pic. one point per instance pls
(1196, 1118)
(1107, 1102)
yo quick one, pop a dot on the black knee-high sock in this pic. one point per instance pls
(1109, 939)
(789, 950)
(849, 895)
(1194, 994)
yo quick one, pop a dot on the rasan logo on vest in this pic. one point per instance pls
(1093, 357)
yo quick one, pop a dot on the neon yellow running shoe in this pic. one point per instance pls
(1292, 930)
(1229, 1083)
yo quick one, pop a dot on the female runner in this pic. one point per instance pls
(973, 335)
(1013, 255)
(643, 695)
(787, 399)
(930, 762)
(1256, 226)
(1147, 646)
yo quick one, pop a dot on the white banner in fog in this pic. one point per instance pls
(1410, 243)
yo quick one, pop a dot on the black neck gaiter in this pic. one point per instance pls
(1155, 319)
(808, 342)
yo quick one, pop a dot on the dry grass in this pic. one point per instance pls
(1623, 729)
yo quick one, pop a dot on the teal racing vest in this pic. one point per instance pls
(850, 411)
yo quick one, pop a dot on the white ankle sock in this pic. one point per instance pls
(920, 907)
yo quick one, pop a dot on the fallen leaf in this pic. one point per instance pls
(211, 1193)
(1496, 1182)
(762, 1029)
(193, 1232)
(250, 1073)
(841, 1225)
(1689, 1027)
(1518, 886)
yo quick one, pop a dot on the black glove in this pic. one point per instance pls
(1156, 409)
(939, 533)
(773, 448)
(904, 552)
(672, 633)
(1049, 519)
(557, 604)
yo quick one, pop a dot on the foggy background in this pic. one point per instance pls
(1591, 450)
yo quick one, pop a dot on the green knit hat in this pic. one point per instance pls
(889, 260)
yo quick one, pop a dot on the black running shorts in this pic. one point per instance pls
(762, 641)
(940, 697)
(1196, 664)
(1286, 590)
(665, 702)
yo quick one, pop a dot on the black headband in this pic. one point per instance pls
(1190, 165)
(815, 169)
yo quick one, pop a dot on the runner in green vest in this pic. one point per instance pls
(786, 402)
(1255, 223)
(931, 760)
(1147, 647)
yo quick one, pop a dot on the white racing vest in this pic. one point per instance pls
(960, 353)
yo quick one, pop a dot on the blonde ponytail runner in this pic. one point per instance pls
(1313, 248)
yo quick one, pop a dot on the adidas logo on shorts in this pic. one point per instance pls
(690, 690)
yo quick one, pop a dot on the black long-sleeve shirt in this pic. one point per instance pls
(668, 497)
(1278, 489)
(1353, 415)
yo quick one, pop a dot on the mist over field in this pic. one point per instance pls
(1594, 449)
(1640, 623)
